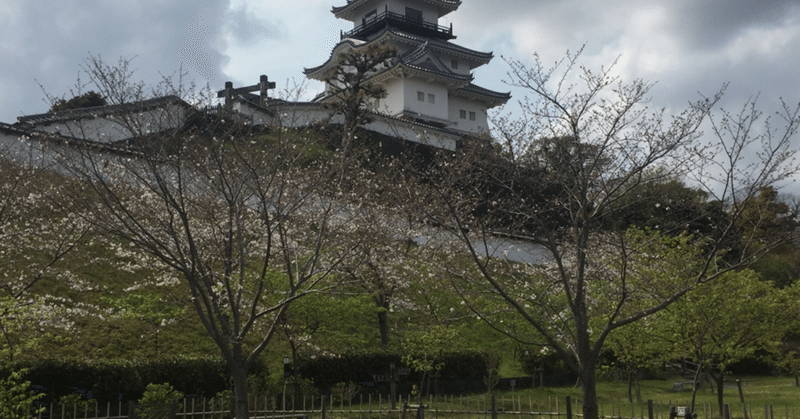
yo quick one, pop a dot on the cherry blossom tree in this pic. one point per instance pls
(248, 218)
(248, 222)
(39, 232)
(536, 211)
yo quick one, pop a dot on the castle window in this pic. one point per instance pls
(431, 98)
(421, 96)
(454, 64)
(472, 116)
(463, 114)
(414, 14)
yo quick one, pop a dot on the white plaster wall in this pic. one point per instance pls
(11, 145)
(413, 133)
(100, 129)
(111, 128)
(258, 117)
(306, 115)
(464, 66)
(31, 150)
(479, 125)
(300, 115)
(394, 102)
(439, 109)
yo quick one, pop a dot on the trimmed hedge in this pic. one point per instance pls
(360, 367)
(110, 381)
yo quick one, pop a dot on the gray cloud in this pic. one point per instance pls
(47, 42)
(712, 23)
(200, 49)
(246, 28)
(686, 46)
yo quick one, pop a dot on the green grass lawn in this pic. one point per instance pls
(778, 392)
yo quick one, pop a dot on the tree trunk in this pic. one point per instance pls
(382, 301)
(695, 383)
(719, 381)
(630, 385)
(638, 391)
(421, 384)
(239, 378)
(589, 392)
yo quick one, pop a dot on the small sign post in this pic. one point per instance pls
(393, 377)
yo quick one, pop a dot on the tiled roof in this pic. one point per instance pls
(352, 42)
(446, 4)
(425, 45)
(97, 111)
(14, 129)
(436, 43)
(410, 57)
(477, 90)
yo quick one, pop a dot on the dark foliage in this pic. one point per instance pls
(89, 99)
(553, 369)
(360, 367)
(113, 381)
(499, 194)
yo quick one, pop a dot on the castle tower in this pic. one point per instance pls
(430, 82)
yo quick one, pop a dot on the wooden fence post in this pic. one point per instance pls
(569, 408)
(650, 409)
(323, 407)
(494, 406)
(741, 396)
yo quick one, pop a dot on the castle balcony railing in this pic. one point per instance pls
(376, 23)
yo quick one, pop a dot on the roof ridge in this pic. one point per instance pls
(96, 110)
(437, 43)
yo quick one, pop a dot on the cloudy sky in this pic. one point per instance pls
(687, 47)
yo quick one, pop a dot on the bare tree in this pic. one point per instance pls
(250, 219)
(558, 177)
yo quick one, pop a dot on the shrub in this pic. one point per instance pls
(109, 381)
(155, 397)
(17, 397)
(160, 394)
